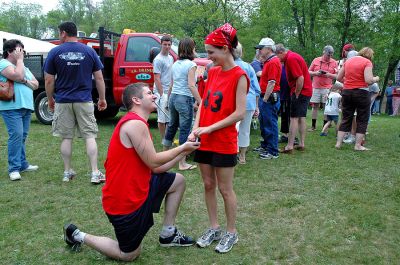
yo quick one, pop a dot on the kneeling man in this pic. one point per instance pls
(137, 183)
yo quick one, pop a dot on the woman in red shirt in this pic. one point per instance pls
(223, 104)
(357, 75)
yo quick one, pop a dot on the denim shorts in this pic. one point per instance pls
(334, 118)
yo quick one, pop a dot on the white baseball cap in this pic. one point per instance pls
(265, 42)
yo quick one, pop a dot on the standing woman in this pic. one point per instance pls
(223, 104)
(183, 97)
(357, 75)
(17, 112)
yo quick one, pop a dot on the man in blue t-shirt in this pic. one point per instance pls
(70, 96)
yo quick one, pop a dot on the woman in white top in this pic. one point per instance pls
(183, 97)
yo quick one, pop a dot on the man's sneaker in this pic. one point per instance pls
(349, 140)
(178, 239)
(15, 176)
(97, 178)
(227, 242)
(258, 149)
(208, 237)
(68, 175)
(30, 168)
(323, 134)
(283, 139)
(69, 231)
(268, 156)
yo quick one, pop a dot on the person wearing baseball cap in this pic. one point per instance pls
(323, 71)
(265, 42)
(269, 102)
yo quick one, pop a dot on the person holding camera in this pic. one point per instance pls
(16, 112)
(269, 102)
(323, 71)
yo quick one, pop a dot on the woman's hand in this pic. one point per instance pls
(192, 137)
(202, 130)
(19, 54)
(256, 112)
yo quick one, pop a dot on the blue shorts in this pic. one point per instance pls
(334, 118)
(130, 229)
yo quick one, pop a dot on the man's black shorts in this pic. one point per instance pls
(215, 159)
(298, 106)
(130, 229)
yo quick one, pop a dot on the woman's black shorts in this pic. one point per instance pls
(215, 159)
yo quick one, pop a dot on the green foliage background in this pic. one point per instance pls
(304, 26)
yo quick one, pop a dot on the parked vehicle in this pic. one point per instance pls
(126, 60)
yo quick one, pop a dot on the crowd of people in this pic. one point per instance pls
(213, 123)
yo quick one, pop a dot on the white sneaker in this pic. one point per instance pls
(97, 178)
(15, 176)
(350, 140)
(30, 168)
(68, 175)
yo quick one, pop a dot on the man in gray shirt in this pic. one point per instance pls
(162, 66)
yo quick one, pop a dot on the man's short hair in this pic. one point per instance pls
(328, 49)
(69, 27)
(279, 48)
(166, 38)
(132, 90)
(9, 46)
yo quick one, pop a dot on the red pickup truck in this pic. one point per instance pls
(126, 61)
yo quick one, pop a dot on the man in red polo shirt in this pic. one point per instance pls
(269, 102)
(323, 71)
(137, 183)
(301, 90)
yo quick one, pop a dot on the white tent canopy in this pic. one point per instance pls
(32, 46)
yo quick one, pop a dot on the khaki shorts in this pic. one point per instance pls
(71, 117)
(163, 103)
(319, 95)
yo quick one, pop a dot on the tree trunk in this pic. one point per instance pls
(346, 22)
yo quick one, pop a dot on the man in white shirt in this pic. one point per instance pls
(162, 66)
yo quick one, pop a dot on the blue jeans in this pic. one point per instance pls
(181, 116)
(389, 105)
(269, 125)
(17, 122)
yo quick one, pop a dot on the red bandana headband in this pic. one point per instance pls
(223, 35)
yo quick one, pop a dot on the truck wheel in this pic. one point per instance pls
(43, 114)
(109, 112)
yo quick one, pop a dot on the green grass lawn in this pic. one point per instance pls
(321, 206)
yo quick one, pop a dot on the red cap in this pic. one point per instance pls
(347, 47)
(223, 35)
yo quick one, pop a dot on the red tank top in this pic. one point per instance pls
(219, 101)
(128, 177)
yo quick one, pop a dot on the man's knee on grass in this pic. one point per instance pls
(130, 256)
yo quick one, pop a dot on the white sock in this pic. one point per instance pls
(78, 235)
(167, 231)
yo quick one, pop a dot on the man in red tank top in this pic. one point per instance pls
(137, 183)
